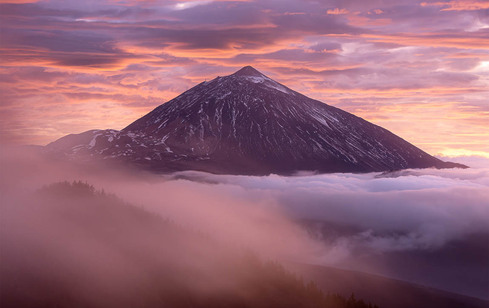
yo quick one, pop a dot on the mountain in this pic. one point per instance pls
(72, 246)
(247, 123)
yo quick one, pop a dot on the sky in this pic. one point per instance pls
(417, 68)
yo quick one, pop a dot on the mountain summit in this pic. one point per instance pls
(248, 71)
(247, 123)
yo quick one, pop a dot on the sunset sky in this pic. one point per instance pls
(417, 68)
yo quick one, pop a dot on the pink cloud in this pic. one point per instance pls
(63, 58)
(337, 11)
(460, 5)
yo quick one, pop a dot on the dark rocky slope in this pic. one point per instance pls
(247, 123)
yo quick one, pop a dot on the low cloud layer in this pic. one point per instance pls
(367, 222)
(426, 226)
(420, 208)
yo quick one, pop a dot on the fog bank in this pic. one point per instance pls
(369, 222)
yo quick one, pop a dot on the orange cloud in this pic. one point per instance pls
(64, 71)
(460, 5)
(447, 119)
(294, 13)
(361, 21)
(18, 1)
(465, 41)
(337, 11)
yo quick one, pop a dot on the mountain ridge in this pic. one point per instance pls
(247, 123)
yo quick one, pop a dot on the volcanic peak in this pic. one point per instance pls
(249, 124)
(248, 71)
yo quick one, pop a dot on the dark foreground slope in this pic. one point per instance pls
(72, 246)
(247, 123)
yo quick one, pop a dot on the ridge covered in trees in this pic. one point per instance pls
(96, 250)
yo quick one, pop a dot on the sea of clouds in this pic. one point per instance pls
(355, 221)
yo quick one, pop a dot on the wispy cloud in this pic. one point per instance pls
(459, 5)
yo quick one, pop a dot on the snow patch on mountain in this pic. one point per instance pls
(241, 124)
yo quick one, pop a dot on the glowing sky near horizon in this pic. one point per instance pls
(417, 68)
